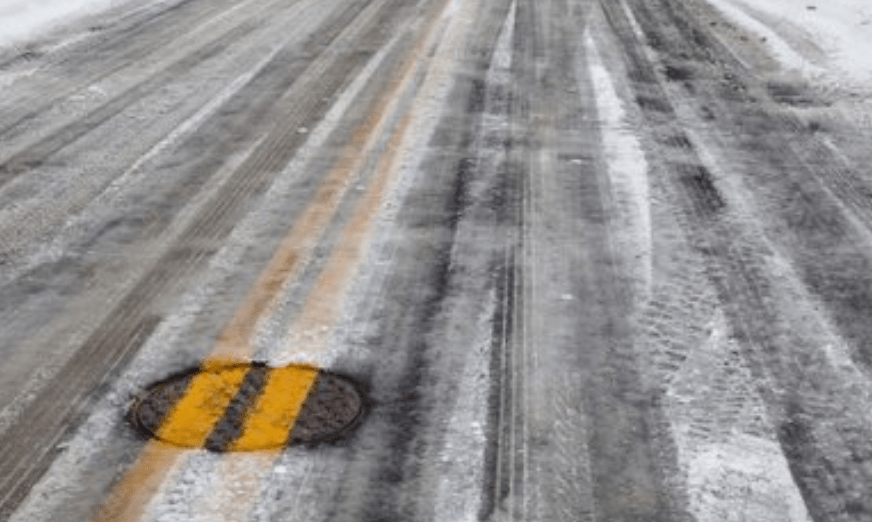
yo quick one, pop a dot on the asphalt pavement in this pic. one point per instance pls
(429, 260)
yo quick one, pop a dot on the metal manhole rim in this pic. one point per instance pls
(351, 389)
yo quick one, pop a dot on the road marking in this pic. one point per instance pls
(241, 475)
(202, 406)
(127, 502)
(269, 425)
(236, 339)
(140, 483)
(246, 408)
(311, 332)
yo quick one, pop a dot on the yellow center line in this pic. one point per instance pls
(141, 482)
(127, 501)
(235, 340)
(324, 301)
(193, 418)
(269, 423)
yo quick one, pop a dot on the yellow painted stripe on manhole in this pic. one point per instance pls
(269, 423)
(248, 407)
(202, 406)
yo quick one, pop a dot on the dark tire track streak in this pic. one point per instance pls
(403, 392)
(810, 201)
(109, 53)
(34, 155)
(623, 454)
(32, 453)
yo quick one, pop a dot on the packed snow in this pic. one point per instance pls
(829, 40)
(21, 20)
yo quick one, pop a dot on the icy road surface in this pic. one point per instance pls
(584, 260)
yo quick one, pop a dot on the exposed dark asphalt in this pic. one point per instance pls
(584, 260)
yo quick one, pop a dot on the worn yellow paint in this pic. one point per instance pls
(140, 483)
(127, 500)
(201, 407)
(269, 423)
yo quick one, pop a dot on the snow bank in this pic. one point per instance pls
(21, 20)
(841, 29)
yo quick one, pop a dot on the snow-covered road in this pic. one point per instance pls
(534, 260)
(22, 21)
(830, 40)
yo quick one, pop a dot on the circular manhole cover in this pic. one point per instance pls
(248, 407)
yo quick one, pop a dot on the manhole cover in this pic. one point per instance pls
(248, 407)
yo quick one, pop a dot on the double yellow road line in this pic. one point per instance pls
(200, 408)
(266, 422)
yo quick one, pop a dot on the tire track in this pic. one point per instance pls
(37, 154)
(108, 53)
(141, 480)
(826, 455)
(631, 462)
(731, 465)
(493, 142)
(90, 180)
(504, 493)
(821, 205)
(240, 119)
(30, 457)
(170, 199)
(511, 469)
(574, 330)
(301, 105)
(320, 309)
(833, 175)
(406, 385)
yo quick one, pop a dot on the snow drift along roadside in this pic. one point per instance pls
(21, 20)
(841, 29)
